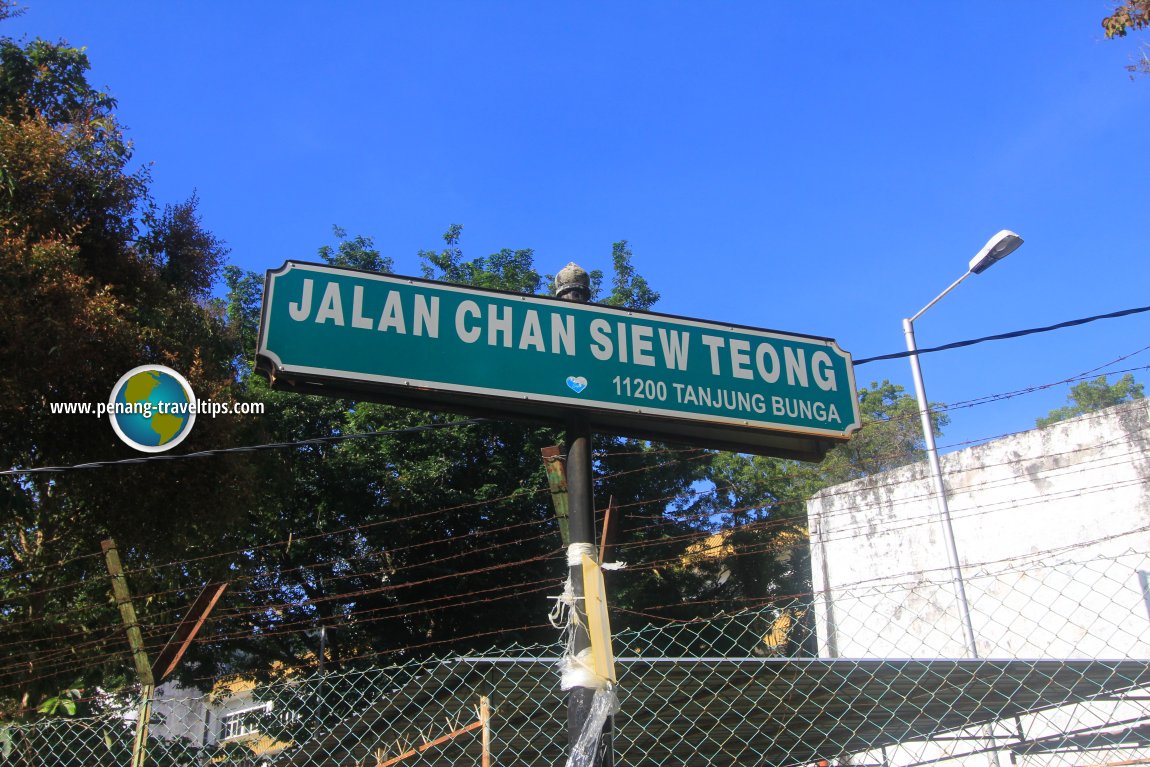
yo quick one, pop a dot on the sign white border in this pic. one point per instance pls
(400, 382)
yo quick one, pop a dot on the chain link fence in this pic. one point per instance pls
(752, 688)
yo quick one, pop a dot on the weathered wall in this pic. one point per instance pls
(1052, 528)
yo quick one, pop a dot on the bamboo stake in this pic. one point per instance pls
(430, 744)
(127, 612)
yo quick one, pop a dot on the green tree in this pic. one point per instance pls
(891, 435)
(393, 546)
(1089, 396)
(628, 288)
(506, 270)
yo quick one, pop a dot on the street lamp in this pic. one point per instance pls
(997, 248)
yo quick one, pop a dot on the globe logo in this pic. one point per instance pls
(152, 408)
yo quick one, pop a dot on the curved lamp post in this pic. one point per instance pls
(997, 248)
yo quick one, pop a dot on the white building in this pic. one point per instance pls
(228, 715)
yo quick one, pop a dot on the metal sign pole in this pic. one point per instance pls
(572, 284)
(582, 524)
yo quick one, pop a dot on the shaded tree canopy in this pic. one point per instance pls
(392, 545)
(95, 279)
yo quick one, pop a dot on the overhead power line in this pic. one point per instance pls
(247, 448)
(1004, 336)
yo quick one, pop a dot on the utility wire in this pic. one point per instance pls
(372, 616)
(776, 505)
(881, 584)
(1003, 336)
(247, 448)
(667, 518)
(458, 423)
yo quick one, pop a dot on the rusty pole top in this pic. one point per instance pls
(573, 283)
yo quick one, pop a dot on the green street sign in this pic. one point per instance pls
(429, 344)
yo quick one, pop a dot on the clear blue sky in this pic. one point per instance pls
(813, 168)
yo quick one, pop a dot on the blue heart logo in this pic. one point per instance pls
(577, 383)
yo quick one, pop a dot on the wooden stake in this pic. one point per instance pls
(557, 480)
(143, 715)
(139, 655)
(429, 744)
(484, 723)
(127, 612)
(485, 720)
(169, 657)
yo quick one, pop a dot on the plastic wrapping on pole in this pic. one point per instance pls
(580, 699)
(585, 751)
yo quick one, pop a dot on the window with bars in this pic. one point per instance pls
(237, 724)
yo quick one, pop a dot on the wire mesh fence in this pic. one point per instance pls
(1065, 680)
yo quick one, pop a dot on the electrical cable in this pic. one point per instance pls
(246, 449)
(514, 495)
(1003, 336)
(672, 560)
(355, 529)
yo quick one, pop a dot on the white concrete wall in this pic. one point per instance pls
(1051, 525)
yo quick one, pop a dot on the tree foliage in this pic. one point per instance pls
(628, 288)
(385, 544)
(891, 435)
(511, 270)
(1089, 396)
(94, 281)
(1130, 15)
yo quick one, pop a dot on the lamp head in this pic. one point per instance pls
(997, 248)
